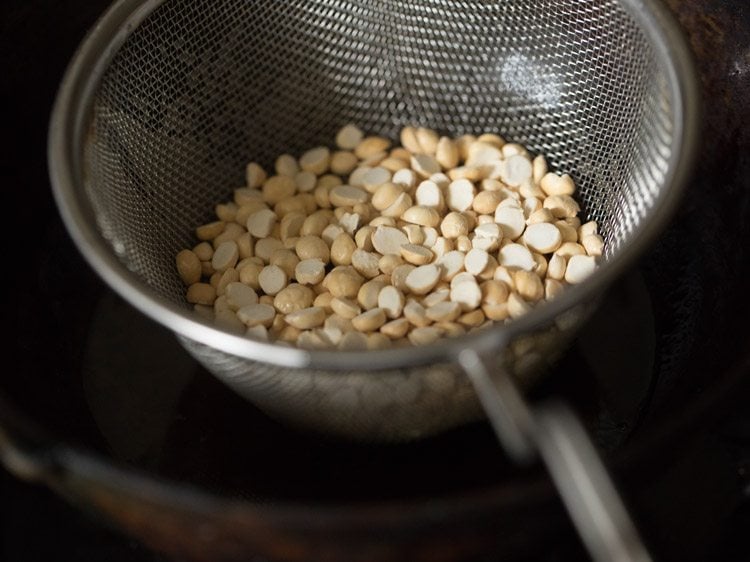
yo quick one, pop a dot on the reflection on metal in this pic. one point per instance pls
(17, 462)
(506, 409)
(530, 79)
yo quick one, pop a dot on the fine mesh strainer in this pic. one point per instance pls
(166, 101)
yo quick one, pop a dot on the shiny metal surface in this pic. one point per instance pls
(166, 102)
(587, 491)
(554, 432)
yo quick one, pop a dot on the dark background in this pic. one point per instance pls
(37, 39)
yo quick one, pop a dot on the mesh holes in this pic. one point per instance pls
(203, 86)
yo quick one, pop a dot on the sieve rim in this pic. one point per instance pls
(67, 126)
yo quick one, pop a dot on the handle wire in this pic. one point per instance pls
(554, 432)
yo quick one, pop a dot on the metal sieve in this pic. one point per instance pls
(166, 101)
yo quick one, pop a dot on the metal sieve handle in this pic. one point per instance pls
(555, 433)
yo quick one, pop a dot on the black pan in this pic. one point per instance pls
(102, 405)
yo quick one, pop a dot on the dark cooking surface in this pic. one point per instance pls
(152, 406)
(114, 381)
(92, 372)
(180, 430)
(157, 409)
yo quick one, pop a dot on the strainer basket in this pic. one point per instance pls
(166, 101)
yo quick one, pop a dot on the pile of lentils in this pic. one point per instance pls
(371, 246)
